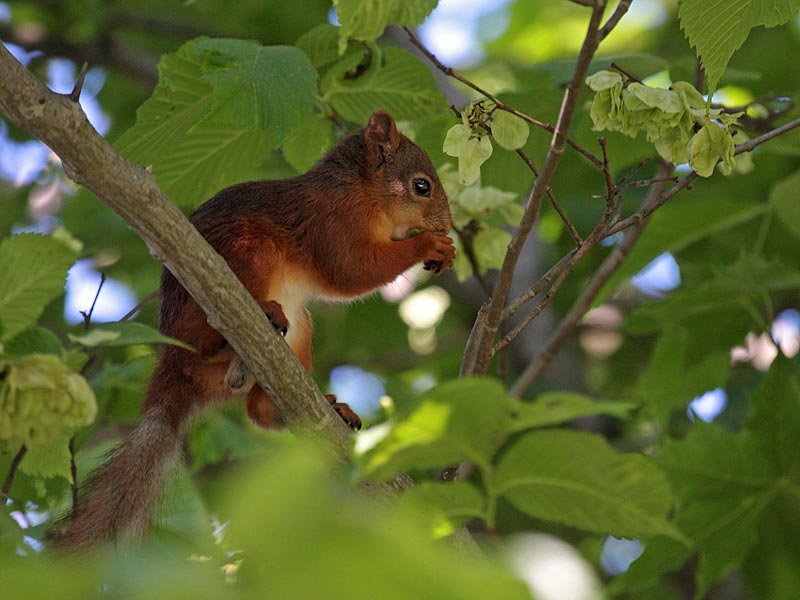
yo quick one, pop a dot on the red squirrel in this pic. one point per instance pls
(337, 232)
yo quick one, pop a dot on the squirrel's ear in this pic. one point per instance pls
(381, 137)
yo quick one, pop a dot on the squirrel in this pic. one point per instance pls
(370, 209)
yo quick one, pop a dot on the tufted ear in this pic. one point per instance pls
(381, 137)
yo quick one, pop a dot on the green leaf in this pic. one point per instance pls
(50, 458)
(673, 377)
(308, 142)
(190, 158)
(124, 334)
(456, 138)
(509, 130)
(552, 408)
(320, 45)
(712, 462)
(217, 438)
(738, 288)
(474, 153)
(446, 506)
(366, 19)
(681, 223)
(725, 482)
(776, 413)
(578, 479)
(34, 271)
(255, 87)
(490, 245)
(401, 84)
(783, 199)
(40, 397)
(717, 28)
(459, 420)
(34, 340)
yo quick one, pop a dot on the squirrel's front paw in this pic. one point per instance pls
(441, 256)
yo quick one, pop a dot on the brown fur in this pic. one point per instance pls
(337, 232)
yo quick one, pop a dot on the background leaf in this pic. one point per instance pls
(578, 479)
(34, 270)
(717, 28)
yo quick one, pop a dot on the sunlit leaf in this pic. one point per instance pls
(459, 420)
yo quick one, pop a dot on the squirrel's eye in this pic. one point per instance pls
(422, 186)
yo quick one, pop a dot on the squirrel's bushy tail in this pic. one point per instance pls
(118, 499)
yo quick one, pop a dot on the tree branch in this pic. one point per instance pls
(584, 301)
(131, 191)
(484, 341)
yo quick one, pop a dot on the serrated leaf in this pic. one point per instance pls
(50, 458)
(552, 408)
(34, 271)
(474, 153)
(509, 130)
(308, 142)
(578, 479)
(783, 198)
(724, 483)
(712, 462)
(402, 84)
(366, 19)
(717, 28)
(189, 160)
(123, 334)
(256, 87)
(459, 420)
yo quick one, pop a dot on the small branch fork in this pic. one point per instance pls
(481, 346)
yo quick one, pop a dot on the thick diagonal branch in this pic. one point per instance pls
(131, 191)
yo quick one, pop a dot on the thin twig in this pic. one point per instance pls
(450, 72)
(684, 182)
(540, 285)
(12, 471)
(554, 154)
(145, 301)
(584, 301)
(594, 237)
(87, 315)
(576, 237)
(615, 18)
(75, 95)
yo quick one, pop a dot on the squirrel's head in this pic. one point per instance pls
(404, 180)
